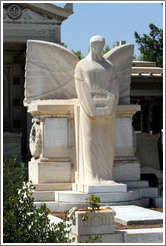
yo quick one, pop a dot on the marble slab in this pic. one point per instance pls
(103, 187)
(135, 215)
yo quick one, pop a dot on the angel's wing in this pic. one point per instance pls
(49, 72)
(121, 57)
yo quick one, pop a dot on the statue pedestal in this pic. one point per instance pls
(55, 165)
(55, 172)
(126, 166)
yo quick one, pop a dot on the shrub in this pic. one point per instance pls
(22, 221)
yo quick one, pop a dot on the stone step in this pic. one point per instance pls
(147, 192)
(147, 235)
(107, 187)
(156, 202)
(64, 206)
(53, 186)
(74, 196)
(44, 195)
(133, 236)
(135, 215)
(137, 184)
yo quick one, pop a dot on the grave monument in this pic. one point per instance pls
(98, 92)
(82, 138)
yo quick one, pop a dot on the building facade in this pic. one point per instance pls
(23, 21)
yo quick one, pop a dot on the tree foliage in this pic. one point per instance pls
(22, 221)
(79, 54)
(151, 46)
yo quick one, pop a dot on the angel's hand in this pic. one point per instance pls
(105, 107)
(97, 103)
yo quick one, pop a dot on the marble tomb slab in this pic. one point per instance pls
(135, 215)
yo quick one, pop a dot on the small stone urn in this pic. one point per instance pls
(99, 222)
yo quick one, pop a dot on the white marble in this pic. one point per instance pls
(79, 197)
(126, 172)
(116, 237)
(147, 191)
(56, 138)
(148, 235)
(49, 72)
(137, 184)
(99, 222)
(123, 136)
(128, 215)
(121, 57)
(49, 172)
(97, 89)
(105, 187)
(44, 196)
(63, 206)
(35, 139)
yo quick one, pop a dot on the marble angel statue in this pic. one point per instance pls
(100, 82)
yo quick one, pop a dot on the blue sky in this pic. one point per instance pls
(114, 21)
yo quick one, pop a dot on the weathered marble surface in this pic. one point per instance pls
(49, 172)
(135, 215)
(49, 72)
(56, 138)
(35, 139)
(97, 89)
(98, 222)
(121, 57)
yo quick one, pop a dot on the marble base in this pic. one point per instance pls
(49, 172)
(126, 170)
(79, 197)
(104, 187)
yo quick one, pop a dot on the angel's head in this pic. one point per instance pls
(97, 44)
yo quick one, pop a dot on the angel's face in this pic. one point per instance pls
(97, 47)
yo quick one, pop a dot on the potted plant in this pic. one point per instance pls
(92, 219)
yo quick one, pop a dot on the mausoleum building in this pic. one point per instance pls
(23, 21)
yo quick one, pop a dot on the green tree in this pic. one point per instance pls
(151, 46)
(22, 221)
(115, 43)
(79, 54)
(106, 49)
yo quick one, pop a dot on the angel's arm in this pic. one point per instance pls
(85, 97)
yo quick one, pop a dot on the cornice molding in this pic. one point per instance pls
(50, 10)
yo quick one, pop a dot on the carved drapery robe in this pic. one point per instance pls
(97, 89)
